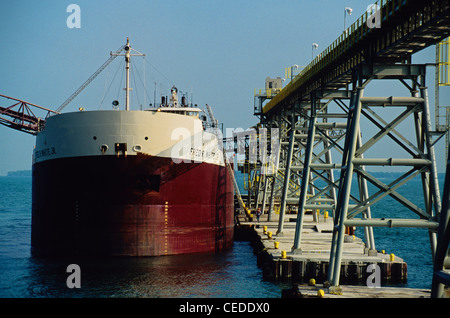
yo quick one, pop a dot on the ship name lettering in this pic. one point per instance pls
(45, 152)
(202, 153)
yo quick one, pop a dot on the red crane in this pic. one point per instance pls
(20, 115)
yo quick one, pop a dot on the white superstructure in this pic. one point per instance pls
(169, 132)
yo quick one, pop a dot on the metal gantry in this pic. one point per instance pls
(420, 159)
(326, 127)
(332, 135)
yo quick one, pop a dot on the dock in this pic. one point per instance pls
(351, 291)
(321, 139)
(279, 263)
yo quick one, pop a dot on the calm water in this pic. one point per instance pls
(233, 274)
(411, 244)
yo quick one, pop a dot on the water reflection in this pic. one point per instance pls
(231, 274)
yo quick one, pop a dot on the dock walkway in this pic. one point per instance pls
(278, 262)
(347, 291)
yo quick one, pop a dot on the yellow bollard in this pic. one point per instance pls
(320, 293)
(264, 229)
(283, 254)
(325, 215)
(276, 244)
(312, 282)
(383, 251)
(269, 235)
(391, 257)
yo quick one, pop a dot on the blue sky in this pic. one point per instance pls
(218, 50)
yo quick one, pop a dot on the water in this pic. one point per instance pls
(411, 244)
(232, 274)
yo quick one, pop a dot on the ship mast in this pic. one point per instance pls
(127, 48)
(127, 67)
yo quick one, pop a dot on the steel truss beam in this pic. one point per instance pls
(422, 161)
(340, 74)
(306, 179)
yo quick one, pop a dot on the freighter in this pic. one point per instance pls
(130, 183)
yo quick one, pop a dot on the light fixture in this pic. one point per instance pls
(314, 46)
(348, 11)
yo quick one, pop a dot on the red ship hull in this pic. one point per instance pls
(130, 206)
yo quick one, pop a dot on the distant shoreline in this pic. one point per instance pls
(19, 173)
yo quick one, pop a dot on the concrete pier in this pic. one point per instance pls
(279, 262)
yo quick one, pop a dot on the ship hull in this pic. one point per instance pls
(139, 205)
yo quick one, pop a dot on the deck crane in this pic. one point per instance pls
(20, 115)
(213, 121)
(90, 79)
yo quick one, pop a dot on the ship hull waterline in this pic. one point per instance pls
(139, 205)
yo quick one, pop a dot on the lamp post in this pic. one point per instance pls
(348, 11)
(314, 46)
(290, 71)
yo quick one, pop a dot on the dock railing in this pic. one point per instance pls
(369, 23)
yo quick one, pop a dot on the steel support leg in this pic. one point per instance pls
(340, 194)
(271, 200)
(274, 138)
(434, 183)
(266, 181)
(311, 186)
(287, 176)
(330, 173)
(441, 277)
(343, 198)
(364, 195)
(305, 182)
(258, 187)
